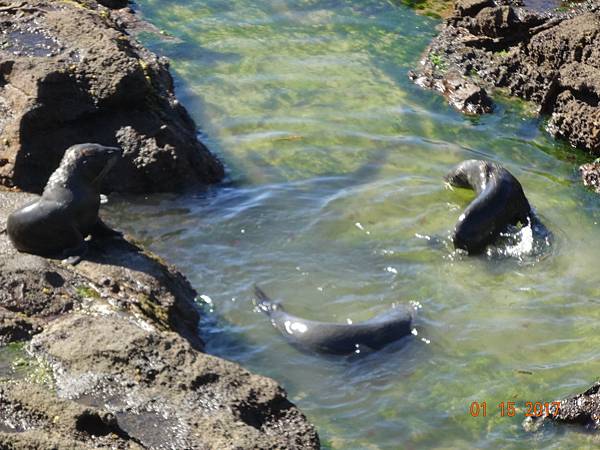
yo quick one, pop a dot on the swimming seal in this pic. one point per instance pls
(337, 338)
(56, 224)
(500, 202)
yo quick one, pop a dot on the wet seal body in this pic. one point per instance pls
(337, 338)
(56, 224)
(500, 202)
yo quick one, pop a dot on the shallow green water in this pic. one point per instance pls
(336, 163)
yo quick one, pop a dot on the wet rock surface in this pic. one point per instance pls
(461, 93)
(581, 409)
(118, 363)
(536, 51)
(70, 73)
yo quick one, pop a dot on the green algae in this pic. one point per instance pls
(285, 150)
(437, 61)
(150, 308)
(17, 364)
(8, 354)
(432, 8)
(84, 292)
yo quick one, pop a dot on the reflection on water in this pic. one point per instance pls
(336, 206)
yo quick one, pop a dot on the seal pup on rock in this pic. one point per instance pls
(56, 224)
(337, 338)
(500, 202)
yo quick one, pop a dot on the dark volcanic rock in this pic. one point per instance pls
(117, 363)
(69, 74)
(590, 174)
(471, 7)
(582, 409)
(502, 26)
(461, 93)
(551, 58)
(114, 4)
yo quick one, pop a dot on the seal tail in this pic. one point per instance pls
(264, 303)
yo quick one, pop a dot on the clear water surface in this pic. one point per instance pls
(336, 163)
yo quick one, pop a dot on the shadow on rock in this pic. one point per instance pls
(70, 74)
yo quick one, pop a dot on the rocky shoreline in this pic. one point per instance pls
(107, 353)
(549, 56)
(112, 359)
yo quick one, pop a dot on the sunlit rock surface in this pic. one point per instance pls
(112, 359)
(69, 74)
(542, 51)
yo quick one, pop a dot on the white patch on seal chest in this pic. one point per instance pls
(29, 208)
(299, 327)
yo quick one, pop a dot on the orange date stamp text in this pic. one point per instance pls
(508, 409)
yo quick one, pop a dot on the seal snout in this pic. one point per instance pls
(93, 160)
(114, 153)
(117, 151)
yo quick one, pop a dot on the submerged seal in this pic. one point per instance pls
(56, 224)
(500, 202)
(337, 338)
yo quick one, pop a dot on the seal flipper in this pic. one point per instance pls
(101, 230)
(73, 256)
(264, 303)
(75, 250)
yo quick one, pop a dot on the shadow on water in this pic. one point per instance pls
(221, 337)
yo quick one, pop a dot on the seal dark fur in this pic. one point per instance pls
(500, 202)
(57, 223)
(337, 338)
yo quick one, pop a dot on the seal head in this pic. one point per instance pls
(56, 224)
(84, 163)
